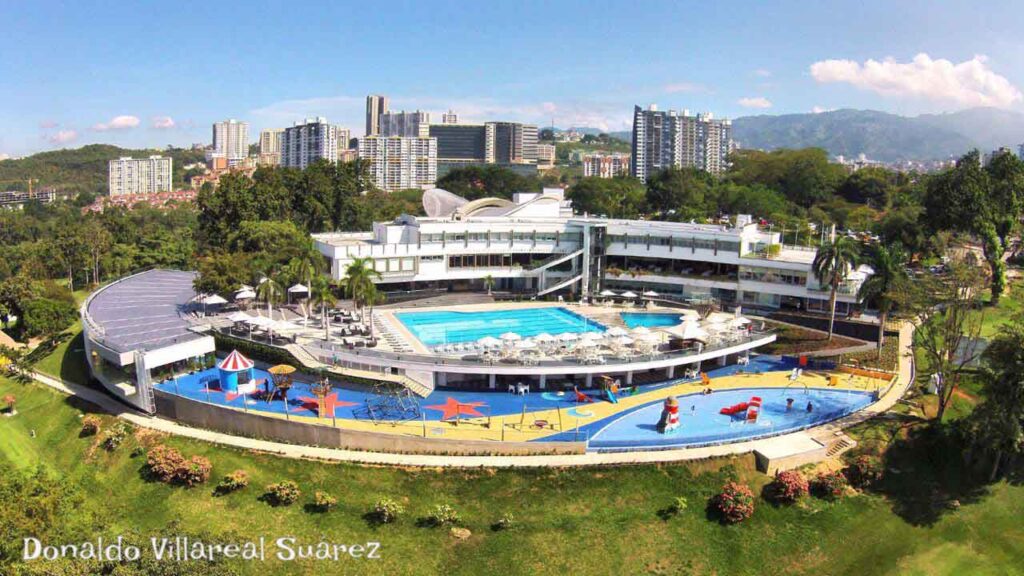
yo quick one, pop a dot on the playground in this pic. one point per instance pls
(609, 416)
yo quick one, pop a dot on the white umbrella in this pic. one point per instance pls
(244, 287)
(688, 331)
(590, 336)
(628, 294)
(607, 293)
(260, 322)
(543, 337)
(641, 330)
(246, 294)
(568, 336)
(617, 331)
(239, 317)
(586, 344)
(526, 344)
(737, 322)
(298, 288)
(510, 337)
(211, 299)
(624, 341)
(649, 337)
(651, 294)
(488, 341)
(689, 314)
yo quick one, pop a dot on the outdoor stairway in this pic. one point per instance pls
(560, 285)
(841, 443)
(551, 261)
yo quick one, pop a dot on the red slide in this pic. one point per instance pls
(754, 408)
(581, 397)
(735, 408)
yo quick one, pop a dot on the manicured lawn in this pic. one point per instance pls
(593, 521)
(1010, 304)
(67, 360)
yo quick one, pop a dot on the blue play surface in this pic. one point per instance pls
(702, 424)
(650, 319)
(445, 327)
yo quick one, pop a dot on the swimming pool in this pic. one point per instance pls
(650, 319)
(702, 424)
(449, 327)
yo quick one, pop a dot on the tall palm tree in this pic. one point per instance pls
(889, 265)
(358, 284)
(489, 283)
(831, 266)
(322, 295)
(270, 291)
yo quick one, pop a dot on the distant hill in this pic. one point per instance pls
(82, 169)
(880, 135)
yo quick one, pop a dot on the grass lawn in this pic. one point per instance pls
(1010, 304)
(67, 359)
(592, 521)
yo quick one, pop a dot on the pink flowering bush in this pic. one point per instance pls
(788, 487)
(829, 485)
(735, 502)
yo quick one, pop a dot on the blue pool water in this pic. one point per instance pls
(701, 423)
(649, 319)
(444, 327)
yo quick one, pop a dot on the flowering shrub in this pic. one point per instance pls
(195, 471)
(283, 493)
(829, 485)
(116, 435)
(788, 487)
(735, 502)
(90, 425)
(443, 514)
(506, 522)
(863, 471)
(387, 510)
(164, 462)
(234, 481)
(324, 501)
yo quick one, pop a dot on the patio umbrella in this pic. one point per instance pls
(543, 337)
(568, 336)
(510, 337)
(624, 341)
(211, 299)
(641, 330)
(590, 336)
(526, 344)
(689, 314)
(651, 294)
(586, 343)
(244, 287)
(488, 341)
(245, 294)
(688, 331)
(298, 288)
(607, 293)
(738, 322)
(239, 317)
(628, 294)
(617, 331)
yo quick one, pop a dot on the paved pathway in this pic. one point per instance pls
(108, 404)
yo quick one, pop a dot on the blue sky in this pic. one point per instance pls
(157, 73)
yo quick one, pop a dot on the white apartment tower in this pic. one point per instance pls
(270, 146)
(231, 140)
(606, 165)
(398, 162)
(140, 176)
(308, 141)
(449, 117)
(678, 140)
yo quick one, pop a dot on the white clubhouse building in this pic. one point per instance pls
(535, 245)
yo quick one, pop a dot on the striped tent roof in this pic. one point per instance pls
(235, 362)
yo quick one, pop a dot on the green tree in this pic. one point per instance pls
(358, 283)
(889, 265)
(47, 318)
(322, 295)
(270, 291)
(621, 197)
(474, 182)
(489, 283)
(831, 266)
(685, 191)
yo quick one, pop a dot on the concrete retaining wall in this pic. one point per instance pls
(253, 425)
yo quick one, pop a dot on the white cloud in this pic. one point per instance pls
(820, 109)
(763, 73)
(48, 124)
(63, 137)
(684, 87)
(162, 122)
(117, 123)
(755, 102)
(969, 83)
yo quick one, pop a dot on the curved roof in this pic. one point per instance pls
(485, 207)
(438, 202)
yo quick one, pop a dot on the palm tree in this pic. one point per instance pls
(270, 291)
(358, 281)
(831, 265)
(321, 295)
(488, 283)
(889, 265)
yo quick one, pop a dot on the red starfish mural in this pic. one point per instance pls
(331, 403)
(228, 396)
(452, 408)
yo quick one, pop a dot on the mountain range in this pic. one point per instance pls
(881, 135)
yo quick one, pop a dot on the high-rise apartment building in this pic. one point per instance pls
(270, 146)
(546, 154)
(308, 141)
(398, 162)
(231, 141)
(449, 117)
(510, 143)
(408, 124)
(606, 165)
(669, 139)
(376, 106)
(140, 176)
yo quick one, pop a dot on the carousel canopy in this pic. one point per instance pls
(235, 362)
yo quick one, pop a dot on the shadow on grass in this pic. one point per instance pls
(926, 475)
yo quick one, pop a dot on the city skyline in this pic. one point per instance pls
(76, 88)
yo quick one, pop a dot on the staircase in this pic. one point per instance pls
(421, 387)
(560, 285)
(841, 443)
(551, 261)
